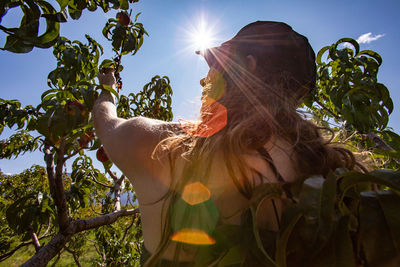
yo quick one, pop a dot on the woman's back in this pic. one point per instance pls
(224, 194)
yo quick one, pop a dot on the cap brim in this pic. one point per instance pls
(214, 56)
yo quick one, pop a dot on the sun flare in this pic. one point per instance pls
(202, 36)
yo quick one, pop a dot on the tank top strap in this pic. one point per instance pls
(267, 157)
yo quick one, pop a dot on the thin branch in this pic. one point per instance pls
(35, 240)
(50, 250)
(61, 202)
(48, 157)
(127, 229)
(48, 227)
(87, 224)
(58, 258)
(73, 154)
(113, 176)
(117, 194)
(76, 259)
(11, 252)
(100, 183)
(327, 110)
(119, 181)
(379, 142)
(98, 213)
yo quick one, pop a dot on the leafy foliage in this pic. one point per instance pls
(25, 37)
(346, 218)
(348, 88)
(62, 127)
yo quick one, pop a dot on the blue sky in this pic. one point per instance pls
(167, 50)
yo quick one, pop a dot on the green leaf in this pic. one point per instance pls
(106, 64)
(351, 41)
(380, 228)
(57, 17)
(327, 204)
(235, 256)
(16, 45)
(339, 249)
(110, 89)
(372, 54)
(74, 13)
(387, 178)
(123, 4)
(281, 242)
(63, 3)
(49, 37)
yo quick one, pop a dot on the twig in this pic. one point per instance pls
(11, 252)
(48, 227)
(76, 259)
(98, 213)
(327, 110)
(119, 181)
(99, 183)
(379, 142)
(73, 154)
(35, 240)
(113, 176)
(58, 258)
(127, 229)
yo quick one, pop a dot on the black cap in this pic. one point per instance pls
(277, 48)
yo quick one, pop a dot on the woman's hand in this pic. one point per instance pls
(106, 77)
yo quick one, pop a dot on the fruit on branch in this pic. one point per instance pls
(101, 155)
(85, 139)
(123, 18)
(71, 110)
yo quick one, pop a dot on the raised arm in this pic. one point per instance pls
(128, 143)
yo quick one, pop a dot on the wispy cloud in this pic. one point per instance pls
(366, 38)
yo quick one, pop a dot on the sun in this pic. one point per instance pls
(202, 36)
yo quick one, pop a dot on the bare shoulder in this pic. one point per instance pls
(130, 144)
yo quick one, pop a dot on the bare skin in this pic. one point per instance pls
(130, 144)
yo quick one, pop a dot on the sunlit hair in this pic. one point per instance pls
(260, 106)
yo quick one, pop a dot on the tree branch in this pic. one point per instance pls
(327, 110)
(61, 202)
(49, 251)
(99, 183)
(76, 259)
(11, 252)
(117, 194)
(379, 142)
(87, 224)
(73, 154)
(127, 229)
(48, 157)
(34, 237)
(119, 181)
(113, 176)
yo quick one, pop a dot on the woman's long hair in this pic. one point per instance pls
(241, 112)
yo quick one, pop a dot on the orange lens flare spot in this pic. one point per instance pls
(195, 193)
(214, 119)
(193, 236)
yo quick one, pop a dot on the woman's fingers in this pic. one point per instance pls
(106, 76)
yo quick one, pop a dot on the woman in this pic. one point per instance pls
(194, 178)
